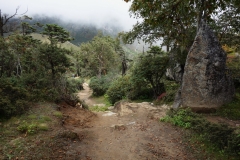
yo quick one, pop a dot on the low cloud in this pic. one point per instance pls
(97, 12)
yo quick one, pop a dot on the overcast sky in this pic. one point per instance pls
(90, 11)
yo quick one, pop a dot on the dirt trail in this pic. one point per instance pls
(132, 133)
(85, 94)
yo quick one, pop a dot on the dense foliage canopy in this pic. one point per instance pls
(98, 56)
(176, 22)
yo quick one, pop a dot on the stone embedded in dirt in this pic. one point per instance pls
(111, 108)
(146, 103)
(78, 105)
(124, 108)
(118, 127)
(109, 113)
(68, 134)
(206, 82)
(131, 123)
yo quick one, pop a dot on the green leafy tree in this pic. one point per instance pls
(52, 56)
(119, 89)
(54, 59)
(150, 69)
(6, 59)
(119, 49)
(27, 29)
(12, 98)
(226, 24)
(56, 34)
(12, 53)
(176, 22)
(99, 56)
(99, 85)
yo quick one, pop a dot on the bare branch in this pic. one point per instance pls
(7, 19)
(25, 12)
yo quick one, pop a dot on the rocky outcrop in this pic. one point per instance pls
(124, 108)
(175, 73)
(206, 83)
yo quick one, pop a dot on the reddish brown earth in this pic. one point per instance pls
(132, 136)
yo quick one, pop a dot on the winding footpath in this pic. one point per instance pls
(130, 132)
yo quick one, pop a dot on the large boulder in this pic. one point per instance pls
(206, 83)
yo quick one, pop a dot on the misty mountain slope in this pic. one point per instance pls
(81, 32)
(66, 45)
(85, 32)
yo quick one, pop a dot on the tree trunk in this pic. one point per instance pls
(168, 48)
(19, 67)
(99, 72)
(1, 65)
(1, 30)
(1, 24)
(124, 68)
(52, 69)
(100, 68)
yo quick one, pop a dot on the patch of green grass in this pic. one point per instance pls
(25, 127)
(101, 100)
(58, 114)
(231, 110)
(32, 116)
(223, 139)
(98, 108)
(203, 149)
(33, 125)
(181, 118)
(43, 119)
(43, 126)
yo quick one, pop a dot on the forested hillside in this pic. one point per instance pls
(138, 77)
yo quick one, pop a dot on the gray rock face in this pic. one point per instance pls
(175, 73)
(206, 83)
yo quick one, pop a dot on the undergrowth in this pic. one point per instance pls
(232, 109)
(220, 138)
(21, 137)
(101, 105)
(98, 108)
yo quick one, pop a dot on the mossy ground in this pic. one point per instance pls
(32, 135)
